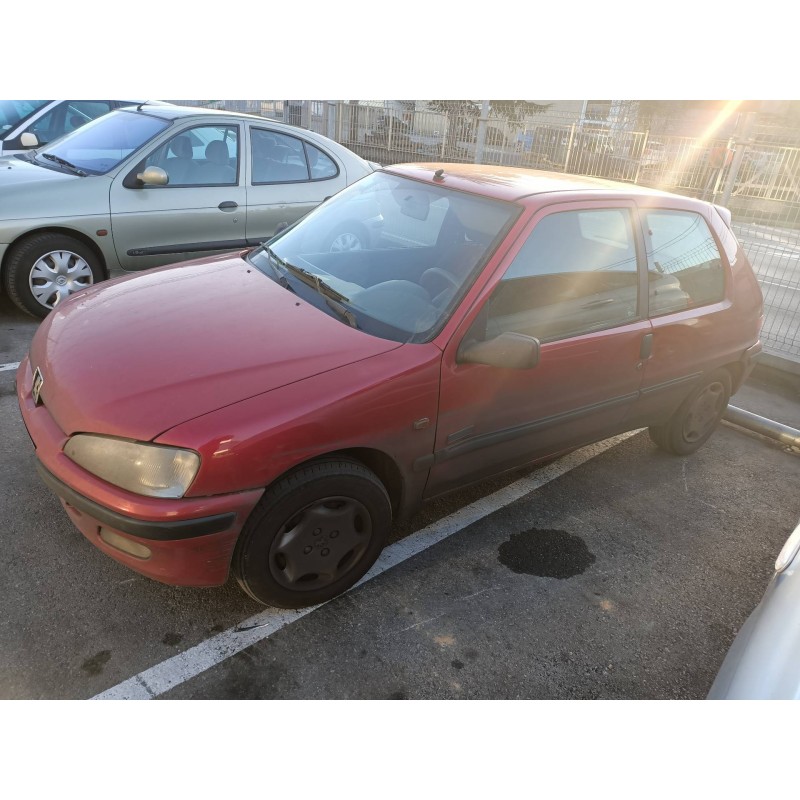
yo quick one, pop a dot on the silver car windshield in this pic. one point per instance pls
(399, 254)
(100, 145)
(13, 112)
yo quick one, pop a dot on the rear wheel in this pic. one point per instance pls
(313, 534)
(696, 418)
(44, 270)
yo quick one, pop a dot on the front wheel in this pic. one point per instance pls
(313, 534)
(696, 418)
(44, 270)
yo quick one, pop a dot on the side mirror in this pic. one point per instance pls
(507, 351)
(153, 176)
(29, 139)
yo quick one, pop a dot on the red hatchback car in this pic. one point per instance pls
(271, 411)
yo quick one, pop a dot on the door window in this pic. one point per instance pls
(278, 158)
(576, 273)
(204, 156)
(683, 262)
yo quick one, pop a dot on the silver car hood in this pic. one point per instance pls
(28, 191)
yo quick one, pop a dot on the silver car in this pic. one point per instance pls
(764, 660)
(26, 124)
(153, 184)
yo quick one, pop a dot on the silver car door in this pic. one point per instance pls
(200, 211)
(288, 176)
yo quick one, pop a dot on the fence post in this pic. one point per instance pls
(569, 147)
(641, 156)
(738, 157)
(481, 140)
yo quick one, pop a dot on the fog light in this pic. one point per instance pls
(126, 545)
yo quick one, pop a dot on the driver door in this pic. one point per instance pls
(572, 283)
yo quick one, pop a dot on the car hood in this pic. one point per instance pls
(138, 355)
(28, 190)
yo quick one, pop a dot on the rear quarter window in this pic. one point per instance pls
(683, 262)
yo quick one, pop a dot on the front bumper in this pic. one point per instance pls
(189, 541)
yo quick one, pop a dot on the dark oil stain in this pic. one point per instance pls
(362, 653)
(458, 664)
(216, 629)
(271, 682)
(471, 654)
(95, 664)
(172, 639)
(545, 553)
(398, 696)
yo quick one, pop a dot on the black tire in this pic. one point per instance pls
(696, 418)
(26, 261)
(327, 515)
(345, 239)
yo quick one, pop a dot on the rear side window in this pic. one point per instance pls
(575, 274)
(278, 158)
(683, 263)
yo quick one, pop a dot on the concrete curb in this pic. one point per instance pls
(778, 370)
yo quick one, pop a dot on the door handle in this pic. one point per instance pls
(646, 349)
(227, 205)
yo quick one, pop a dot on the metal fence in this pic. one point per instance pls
(754, 172)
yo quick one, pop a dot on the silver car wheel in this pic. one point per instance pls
(57, 275)
(345, 242)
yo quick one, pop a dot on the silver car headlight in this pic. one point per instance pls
(149, 469)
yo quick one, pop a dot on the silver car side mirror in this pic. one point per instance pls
(153, 176)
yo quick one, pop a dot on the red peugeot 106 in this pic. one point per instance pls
(271, 411)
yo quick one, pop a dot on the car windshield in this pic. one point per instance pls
(389, 255)
(100, 145)
(12, 112)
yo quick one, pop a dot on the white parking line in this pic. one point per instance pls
(12, 365)
(180, 668)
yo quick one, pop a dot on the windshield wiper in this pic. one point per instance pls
(309, 278)
(63, 163)
(348, 316)
(273, 261)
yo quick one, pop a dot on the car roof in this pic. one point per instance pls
(514, 183)
(172, 112)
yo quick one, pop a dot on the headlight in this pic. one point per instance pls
(147, 469)
(789, 550)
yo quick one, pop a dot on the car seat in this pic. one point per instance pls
(179, 165)
(216, 168)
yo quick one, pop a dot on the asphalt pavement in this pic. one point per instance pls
(624, 575)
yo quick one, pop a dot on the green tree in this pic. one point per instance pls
(463, 115)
